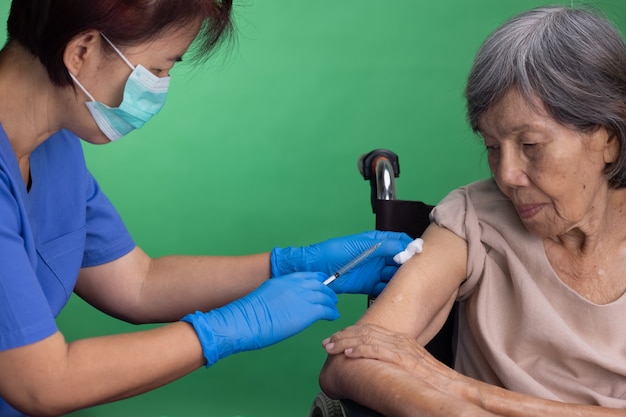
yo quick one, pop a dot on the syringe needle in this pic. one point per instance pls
(354, 262)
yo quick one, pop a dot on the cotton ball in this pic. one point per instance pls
(411, 249)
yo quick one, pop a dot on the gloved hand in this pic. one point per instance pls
(278, 309)
(369, 277)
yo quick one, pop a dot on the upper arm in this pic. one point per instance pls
(115, 287)
(424, 288)
(415, 302)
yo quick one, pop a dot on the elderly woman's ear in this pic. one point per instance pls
(606, 142)
(612, 147)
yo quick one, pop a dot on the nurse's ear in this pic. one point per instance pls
(82, 52)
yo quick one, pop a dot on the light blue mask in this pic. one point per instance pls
(144, 96)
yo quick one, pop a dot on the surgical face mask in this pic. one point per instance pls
(144, 96)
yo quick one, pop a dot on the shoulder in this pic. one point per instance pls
(477, 203)
(482, 195)
(486, 219)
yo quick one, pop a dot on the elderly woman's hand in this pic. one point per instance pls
(369, 341)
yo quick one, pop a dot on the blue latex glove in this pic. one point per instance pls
(278, 309)
(369, 277)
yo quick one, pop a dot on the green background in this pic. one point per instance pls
(258, 148)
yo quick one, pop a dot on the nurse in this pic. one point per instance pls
(94, 70)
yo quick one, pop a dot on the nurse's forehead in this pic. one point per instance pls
(170, 45)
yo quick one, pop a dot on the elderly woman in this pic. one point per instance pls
(534, 256)
(94, 70)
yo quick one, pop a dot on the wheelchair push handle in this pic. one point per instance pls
(380, 167)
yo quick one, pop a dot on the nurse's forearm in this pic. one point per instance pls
(177, 285)
(139, 289)
(52, 377)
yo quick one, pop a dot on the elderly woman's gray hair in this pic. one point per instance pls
(572, 59)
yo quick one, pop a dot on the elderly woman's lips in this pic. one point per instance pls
(527, 211)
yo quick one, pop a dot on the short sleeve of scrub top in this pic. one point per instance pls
(47, 233)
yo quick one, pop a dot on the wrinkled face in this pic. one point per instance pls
(551, 173)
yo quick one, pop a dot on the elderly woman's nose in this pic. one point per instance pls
(511, 170)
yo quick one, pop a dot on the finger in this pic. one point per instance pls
(403, 345)
(359, 335)
(319, 298)
(305, 276)
(389, 235)
(318, 293)
(370, 334)
(315, 281)
(391, 242)
(388, 271)
(344, 333)
(330, 313)
(390, 247)
(378, 352)
(324, 312)
(334, 347)
(378, 288)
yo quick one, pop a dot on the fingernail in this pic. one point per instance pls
(325, 341)
(330, 346)
(349, 350)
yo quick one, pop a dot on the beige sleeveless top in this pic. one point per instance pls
(521, 327)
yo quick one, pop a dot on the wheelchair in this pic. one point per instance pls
(381, 167)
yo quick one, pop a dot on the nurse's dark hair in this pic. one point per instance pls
(45, 27)
(572, 59)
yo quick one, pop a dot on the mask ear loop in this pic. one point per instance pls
(121, 55)
(81, 86)
(118, 51)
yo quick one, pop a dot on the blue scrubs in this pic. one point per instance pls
(47, 233)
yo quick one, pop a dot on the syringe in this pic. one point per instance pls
(360, 258)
